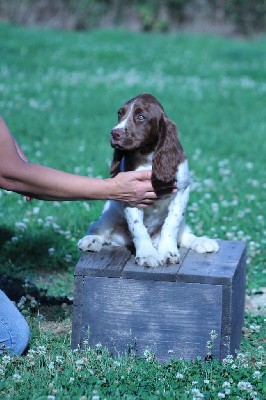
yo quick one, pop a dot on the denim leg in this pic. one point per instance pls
(14, 330)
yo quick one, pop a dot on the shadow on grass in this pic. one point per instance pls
(31, 254)
(27, 261)
(16, 288)
(5, 235)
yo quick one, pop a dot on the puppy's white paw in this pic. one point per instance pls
(148, 261)
(90, 243)
(170, 257)
(205, 245)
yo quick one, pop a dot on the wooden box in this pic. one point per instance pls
(168, 310)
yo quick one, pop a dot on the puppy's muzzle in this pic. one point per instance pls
(116, 135)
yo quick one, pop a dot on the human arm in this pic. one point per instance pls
(46, 183)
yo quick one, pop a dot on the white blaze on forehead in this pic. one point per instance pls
(123, 123)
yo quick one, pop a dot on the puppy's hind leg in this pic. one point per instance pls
(201, 244)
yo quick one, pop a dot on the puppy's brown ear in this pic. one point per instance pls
(115, 165)
(168, 153)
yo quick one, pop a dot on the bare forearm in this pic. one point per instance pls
(37, 181)
(50, 184)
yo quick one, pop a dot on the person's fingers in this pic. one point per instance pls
(144, 175)
(144, 203)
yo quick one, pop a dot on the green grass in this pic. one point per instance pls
(59, 93)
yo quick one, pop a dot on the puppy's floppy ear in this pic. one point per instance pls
(168, 153)
(115, 165)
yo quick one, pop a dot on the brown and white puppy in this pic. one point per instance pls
(145, 138)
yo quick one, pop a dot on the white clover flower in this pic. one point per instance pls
(148, 355)
(208, 182)
(95, 396)
(5, 360)
(21, 302)
(226, 384)
(21, 225)
(71, 379)
(67, 234)
(197, 393)
(59, 359)
(228, 359)
(30, 353)
(249, 165)
(256, 374)
(213, 334)
(68, 257)
(117, 363)
(179, 375)
(215, 207)
(51, 397)
(14, 239)
(242, 385)
(41, 350)
(227, 391)
(255, 327)
(79, 362)
(260, 349)
(207, 381)
(56, 227)
(51, 365)
(17, 378)
(221, 395)
(51, 251)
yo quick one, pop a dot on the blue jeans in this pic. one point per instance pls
(14, 330)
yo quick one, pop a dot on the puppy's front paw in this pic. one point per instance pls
(147, 258)
(147, 261)
(90, 243)
(170, 257)
(205, 245)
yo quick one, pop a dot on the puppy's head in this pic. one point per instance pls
(138, 124)
(143, 125)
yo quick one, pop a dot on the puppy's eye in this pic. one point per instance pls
(140, 117)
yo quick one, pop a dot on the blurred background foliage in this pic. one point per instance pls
(229, 17)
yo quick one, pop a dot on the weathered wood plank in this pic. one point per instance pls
(109, 262)
(160, 317)
(212, 268)
(170, 310)
(164, 273)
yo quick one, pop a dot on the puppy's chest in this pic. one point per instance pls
(155, 215)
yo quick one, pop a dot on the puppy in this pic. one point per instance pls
(145, 138)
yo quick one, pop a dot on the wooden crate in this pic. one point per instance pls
(168, 310)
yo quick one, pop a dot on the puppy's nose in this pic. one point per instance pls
(116, 133)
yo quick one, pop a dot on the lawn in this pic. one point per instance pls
(59, 93)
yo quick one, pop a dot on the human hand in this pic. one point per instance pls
(135, 188)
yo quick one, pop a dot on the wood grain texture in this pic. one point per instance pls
(155, 316)
(168, 310)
